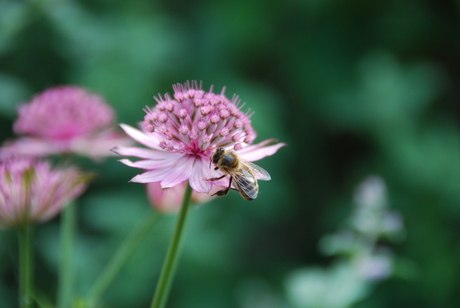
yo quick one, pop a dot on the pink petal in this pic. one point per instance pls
(258, 151)
(258, 145)
(28, 147)
(209, 173)
(143, 153)
(170, 200)
(147, 164)
(222, 183)
(150, 176)
(165, 200)
(198, 180)
(98, 146)
(179, 173)
(141, 137)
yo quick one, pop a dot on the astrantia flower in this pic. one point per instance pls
(31, 191)
(182, 132)
(65, 119)
(169, 200)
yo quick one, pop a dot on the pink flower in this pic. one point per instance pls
(30, 191)
(182, 132)
(170, 199)
(63, 120)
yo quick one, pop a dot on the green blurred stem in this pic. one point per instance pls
(66, 269)
(169, 265)
(25, 267)
(121, 256)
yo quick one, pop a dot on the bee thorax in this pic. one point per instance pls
(229, 160)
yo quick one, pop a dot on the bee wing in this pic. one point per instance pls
(258, 172)
(246, 181)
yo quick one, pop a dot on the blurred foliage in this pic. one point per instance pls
(354, 87)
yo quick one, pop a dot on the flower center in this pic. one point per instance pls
(196, 122)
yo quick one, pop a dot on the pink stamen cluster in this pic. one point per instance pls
(63, 113)
(194, 119)
(65, 119)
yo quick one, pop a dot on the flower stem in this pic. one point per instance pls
(66, 269)
(169, 265)
(119, 259)
(25, 267)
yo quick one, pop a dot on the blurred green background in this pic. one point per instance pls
(354, 87)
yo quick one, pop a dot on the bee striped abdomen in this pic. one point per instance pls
(247, 185)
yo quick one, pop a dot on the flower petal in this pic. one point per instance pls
(179, 173)
(143, 153)
(165, 200)
(209, 173)
(198, 180)
(99, 145)
(150, 176)
(141, 137)
(258, 145)
(28, 147)
(169, 200)
(258, 151)
(147, 164)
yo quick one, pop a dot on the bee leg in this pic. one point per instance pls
(224, 192)
(215, 179)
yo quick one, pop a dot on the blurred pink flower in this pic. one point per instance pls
(182, 132)
(64, 119)
(170, 199)
(31, 191)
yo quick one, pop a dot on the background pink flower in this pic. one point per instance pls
(31, 191)
(62, 120)
(170, 199)
(182, 132)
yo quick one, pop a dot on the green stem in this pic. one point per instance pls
(167, 272)
(119, 259)
(25, 267)
(66, 269)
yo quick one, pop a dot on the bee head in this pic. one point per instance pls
(217, 154)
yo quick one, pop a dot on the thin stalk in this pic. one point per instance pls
(66, 268)
(169, 265)
(121, 256)
(25, 267)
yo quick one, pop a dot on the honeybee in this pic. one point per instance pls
(243, 173)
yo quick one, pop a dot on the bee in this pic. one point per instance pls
(243, 173)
